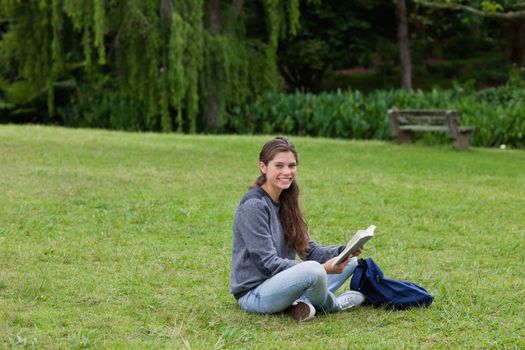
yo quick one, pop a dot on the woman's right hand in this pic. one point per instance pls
(341, 266)
(337, 268)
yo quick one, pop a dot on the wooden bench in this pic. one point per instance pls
(405, 122)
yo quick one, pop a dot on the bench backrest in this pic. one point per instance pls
(445, 117)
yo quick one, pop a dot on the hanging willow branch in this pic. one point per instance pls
(140, 64)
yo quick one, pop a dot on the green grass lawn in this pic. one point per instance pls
(122, 240)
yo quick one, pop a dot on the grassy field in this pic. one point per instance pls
(122, 240)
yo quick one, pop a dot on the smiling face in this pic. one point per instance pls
(280, 173)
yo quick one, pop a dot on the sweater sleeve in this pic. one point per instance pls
(322, 253)
(254, 227)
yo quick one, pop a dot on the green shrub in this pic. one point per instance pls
(98, 106)
(498, 114)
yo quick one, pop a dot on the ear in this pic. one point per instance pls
(262, 167)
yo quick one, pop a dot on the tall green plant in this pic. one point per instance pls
(498, 114)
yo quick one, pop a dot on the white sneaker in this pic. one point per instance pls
(302, 310)
(349, 299)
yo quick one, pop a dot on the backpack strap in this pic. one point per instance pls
(361, 263)
(359, 276)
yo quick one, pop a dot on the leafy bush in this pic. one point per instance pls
(498, 114)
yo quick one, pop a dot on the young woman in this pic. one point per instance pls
(269, 230)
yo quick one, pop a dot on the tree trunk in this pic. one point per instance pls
(212, 108)
(215, 16)
(515, 35)
(404, 48)
(237, 6)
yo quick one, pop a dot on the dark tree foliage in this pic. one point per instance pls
(334, 35)
(337, 38)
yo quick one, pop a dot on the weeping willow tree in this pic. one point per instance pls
(170, 65)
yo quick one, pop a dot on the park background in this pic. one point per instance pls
(120, 238)
(314, 68)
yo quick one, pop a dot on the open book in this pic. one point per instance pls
(360, 238)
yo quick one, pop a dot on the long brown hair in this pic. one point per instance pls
(294, 224)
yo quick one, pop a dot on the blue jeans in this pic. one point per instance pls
(306, 280)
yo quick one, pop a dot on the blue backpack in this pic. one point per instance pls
(381, 291)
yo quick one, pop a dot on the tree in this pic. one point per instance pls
(333, 35)
(512, 12)
(491, 9)
(149, 65)
(404, 47)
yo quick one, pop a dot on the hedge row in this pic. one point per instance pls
(497, 113)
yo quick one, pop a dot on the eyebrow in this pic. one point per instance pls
(281, 163)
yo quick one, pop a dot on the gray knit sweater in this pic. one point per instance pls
(259, 249)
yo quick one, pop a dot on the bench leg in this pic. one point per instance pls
(462, 140)
(404, 136)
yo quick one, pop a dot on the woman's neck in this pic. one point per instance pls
(274, 193)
